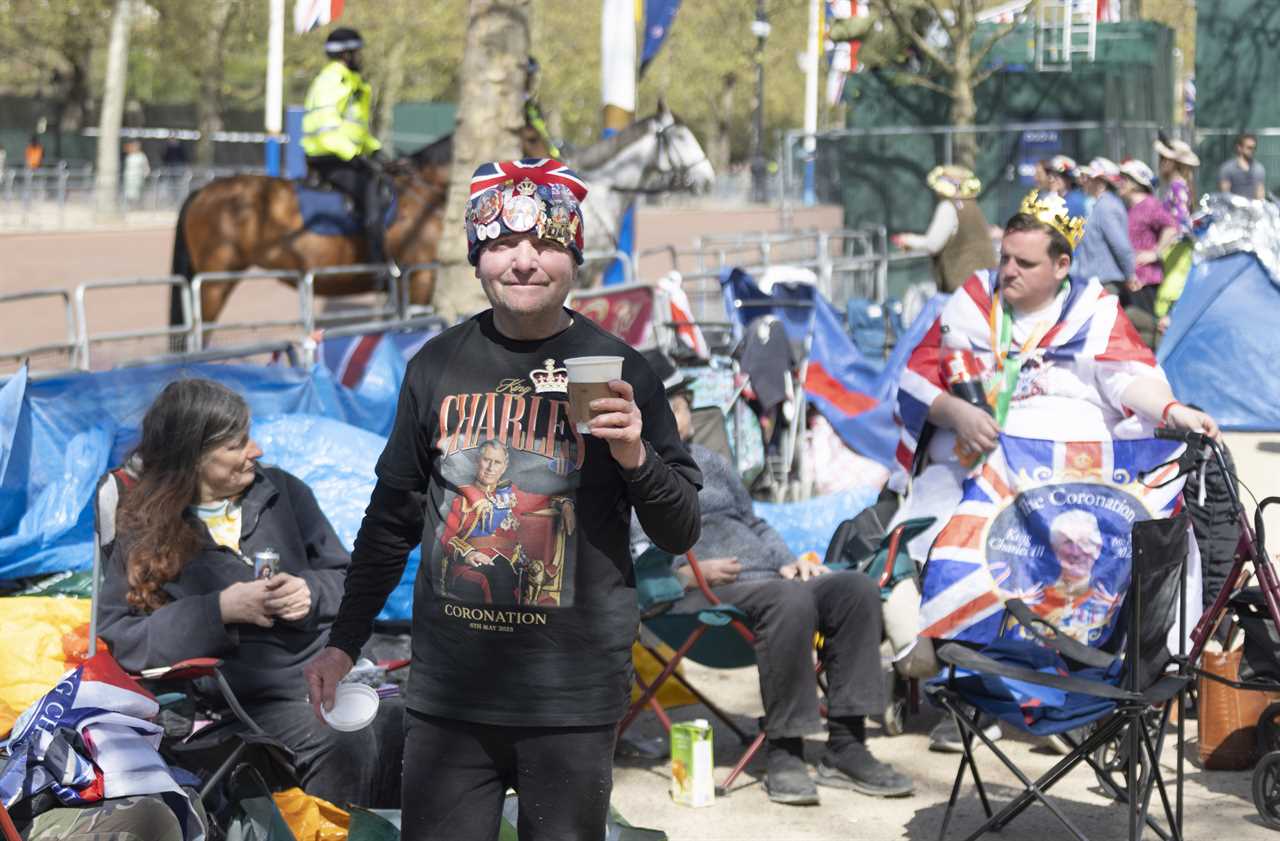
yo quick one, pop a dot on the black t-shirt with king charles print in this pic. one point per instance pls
(524, 606)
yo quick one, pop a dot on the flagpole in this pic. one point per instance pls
(618, 98)
(811, 103)
(273, 118)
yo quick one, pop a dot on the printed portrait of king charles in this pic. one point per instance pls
(503, 545)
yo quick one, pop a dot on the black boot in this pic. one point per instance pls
(787, 778)
(853, 766)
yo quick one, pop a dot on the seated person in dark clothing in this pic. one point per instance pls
(787, 600)
(180, 583)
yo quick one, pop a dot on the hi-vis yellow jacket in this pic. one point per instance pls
(336, 121)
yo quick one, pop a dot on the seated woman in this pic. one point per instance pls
(180, 583)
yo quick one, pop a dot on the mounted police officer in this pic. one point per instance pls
(339, 147)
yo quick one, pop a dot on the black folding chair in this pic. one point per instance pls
(1124, 698)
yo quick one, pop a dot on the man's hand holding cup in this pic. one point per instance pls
(602, 404)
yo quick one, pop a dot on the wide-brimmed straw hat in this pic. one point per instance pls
(952, 181)
(1177, 150)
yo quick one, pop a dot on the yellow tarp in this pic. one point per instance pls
(311, 818)
(41, 637)
(672, 694)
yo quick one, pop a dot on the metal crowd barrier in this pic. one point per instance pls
(70, 347)
(199, 329)
(86, 340)
(605, 258)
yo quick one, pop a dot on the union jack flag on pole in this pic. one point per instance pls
(312, 14)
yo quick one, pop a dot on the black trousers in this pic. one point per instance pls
(456, 774)
(845, 608)
(358, 180)
(360, 768)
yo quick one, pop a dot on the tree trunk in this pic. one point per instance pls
(964, 109)
(718, 145)
(108, 165)
(209, 105)
(490, 117)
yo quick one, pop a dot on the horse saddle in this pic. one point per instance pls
(329, 212)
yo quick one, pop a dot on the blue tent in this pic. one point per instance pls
(1222, 349)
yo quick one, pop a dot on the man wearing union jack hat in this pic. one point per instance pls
(521, 693)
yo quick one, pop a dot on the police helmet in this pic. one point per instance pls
(342, 40)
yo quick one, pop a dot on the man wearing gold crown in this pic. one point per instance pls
(515, 693)
(1056, 358)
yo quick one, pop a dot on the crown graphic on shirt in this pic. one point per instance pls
(549, 377)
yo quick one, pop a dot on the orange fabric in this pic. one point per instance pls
(311, 818)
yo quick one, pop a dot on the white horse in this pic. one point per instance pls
(658, 154)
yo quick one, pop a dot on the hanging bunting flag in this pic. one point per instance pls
(658, 17)
(312, 14)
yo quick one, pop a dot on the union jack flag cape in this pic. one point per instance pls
(89, 739)
(1048, 522)
(1091, 326)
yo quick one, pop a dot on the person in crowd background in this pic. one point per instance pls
(1105, 253)
(1152, 230)
(1178, 163)
(1064, 179)
(958, 237)
(1242, 175)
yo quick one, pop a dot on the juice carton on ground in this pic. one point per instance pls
(692, 764)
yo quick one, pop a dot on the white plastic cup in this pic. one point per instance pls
(354, 707)
(588, 378)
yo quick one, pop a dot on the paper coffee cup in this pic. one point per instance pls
(589, 378)
(354, 707)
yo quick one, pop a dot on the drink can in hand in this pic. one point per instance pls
(266, 563)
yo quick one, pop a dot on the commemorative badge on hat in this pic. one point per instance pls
(541, 195)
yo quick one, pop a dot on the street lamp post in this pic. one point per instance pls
(760, 29)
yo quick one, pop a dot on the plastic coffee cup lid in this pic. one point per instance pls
(594, 369)
(354, 707)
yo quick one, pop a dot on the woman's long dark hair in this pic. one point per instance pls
(187, 420)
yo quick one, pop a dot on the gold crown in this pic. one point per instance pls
(1052, 211)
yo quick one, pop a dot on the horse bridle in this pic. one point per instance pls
(676, 174)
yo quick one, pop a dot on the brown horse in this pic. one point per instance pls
(247, 221)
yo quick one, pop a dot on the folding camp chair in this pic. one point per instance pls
(1055, 685)
(717, 637)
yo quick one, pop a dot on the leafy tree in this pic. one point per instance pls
(959, 60)
(49, 46)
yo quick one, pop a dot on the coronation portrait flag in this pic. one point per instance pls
(1047, 522)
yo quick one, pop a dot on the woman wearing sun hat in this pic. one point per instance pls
(1177, 173)
(958, 237)
(1177, 170)
(1152, 230)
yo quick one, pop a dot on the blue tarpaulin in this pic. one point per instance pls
(58, 436)
(1221, 350)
